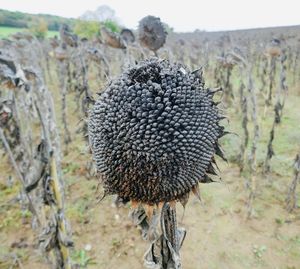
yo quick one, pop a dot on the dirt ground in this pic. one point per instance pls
(218, 233)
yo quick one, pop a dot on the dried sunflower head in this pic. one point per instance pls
(152, 33)
(154, 132)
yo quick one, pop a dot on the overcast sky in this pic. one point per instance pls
(182, 15)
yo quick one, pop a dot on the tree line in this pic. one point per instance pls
(24, 20)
